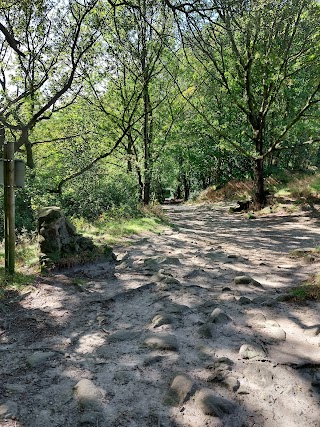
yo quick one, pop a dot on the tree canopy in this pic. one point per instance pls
(157, 97)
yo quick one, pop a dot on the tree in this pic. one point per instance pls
(257, 55)
(43, 47)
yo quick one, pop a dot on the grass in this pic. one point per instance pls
(108, 231)
(18, 282)
(104, 232)
(309, 290)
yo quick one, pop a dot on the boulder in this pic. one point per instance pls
(58, 238)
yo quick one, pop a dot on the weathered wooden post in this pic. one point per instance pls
(9, 206)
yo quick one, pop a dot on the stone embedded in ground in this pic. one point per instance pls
(161, 342)
(205, 352)
(283, 297)
(312, 331)
(258, 317)
(175, 308)
(205, 331)
(252, 351)
(275, 333)
(232, 383)
(162, 319)
(88, 395)
(8, 410)
(171, 281)
(226, 297)
(179, 390)
(218, 316)
(259, 375)
(243, 280)
(264, 300)
(316, 379)
(172, 260)
(244, 300)
(272, 323)
(124, 336)
(221, 364)
(210, 404)
(39, 357)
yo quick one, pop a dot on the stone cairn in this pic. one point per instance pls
(59, 240)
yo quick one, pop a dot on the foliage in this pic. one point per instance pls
(308, 291)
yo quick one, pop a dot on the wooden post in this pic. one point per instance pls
(9, 208)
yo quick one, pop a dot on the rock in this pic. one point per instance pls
(162, 319)
(124, 336)
(258, 318)
(171, 281)
(210, 404)
(170, 260)
(58, 238)
(232, 383)
(175, 308)
(179, 391)
(264, 300)
(242, 280)
(316, 379)
(226, 289)
(276, 333)
(259, 375)
(8, 410)
(151, 264)
(205, 352)
(205, 331)
(218, 316)
(88, 395)
(39, 357)
(244, 300)
(247, 280)
(221, 364)
(226, 297)
(251, 351)
(283, 297)
(272, 323)
(161, 342)
(312, 331)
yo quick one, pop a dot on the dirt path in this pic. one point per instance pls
(166, 336)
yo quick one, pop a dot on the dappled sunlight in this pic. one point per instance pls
(130, 326)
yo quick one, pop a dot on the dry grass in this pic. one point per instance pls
(233, 190)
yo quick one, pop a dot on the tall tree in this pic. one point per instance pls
(43, 45)
(257, 55)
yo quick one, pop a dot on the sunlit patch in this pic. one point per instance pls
(88, 343)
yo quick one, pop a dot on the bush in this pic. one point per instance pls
(91, 196)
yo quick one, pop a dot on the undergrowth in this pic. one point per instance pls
(104, 231)
(309, 290)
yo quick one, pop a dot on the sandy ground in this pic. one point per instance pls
(166, 337)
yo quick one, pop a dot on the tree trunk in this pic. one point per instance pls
(186, 187)
(260, 196)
